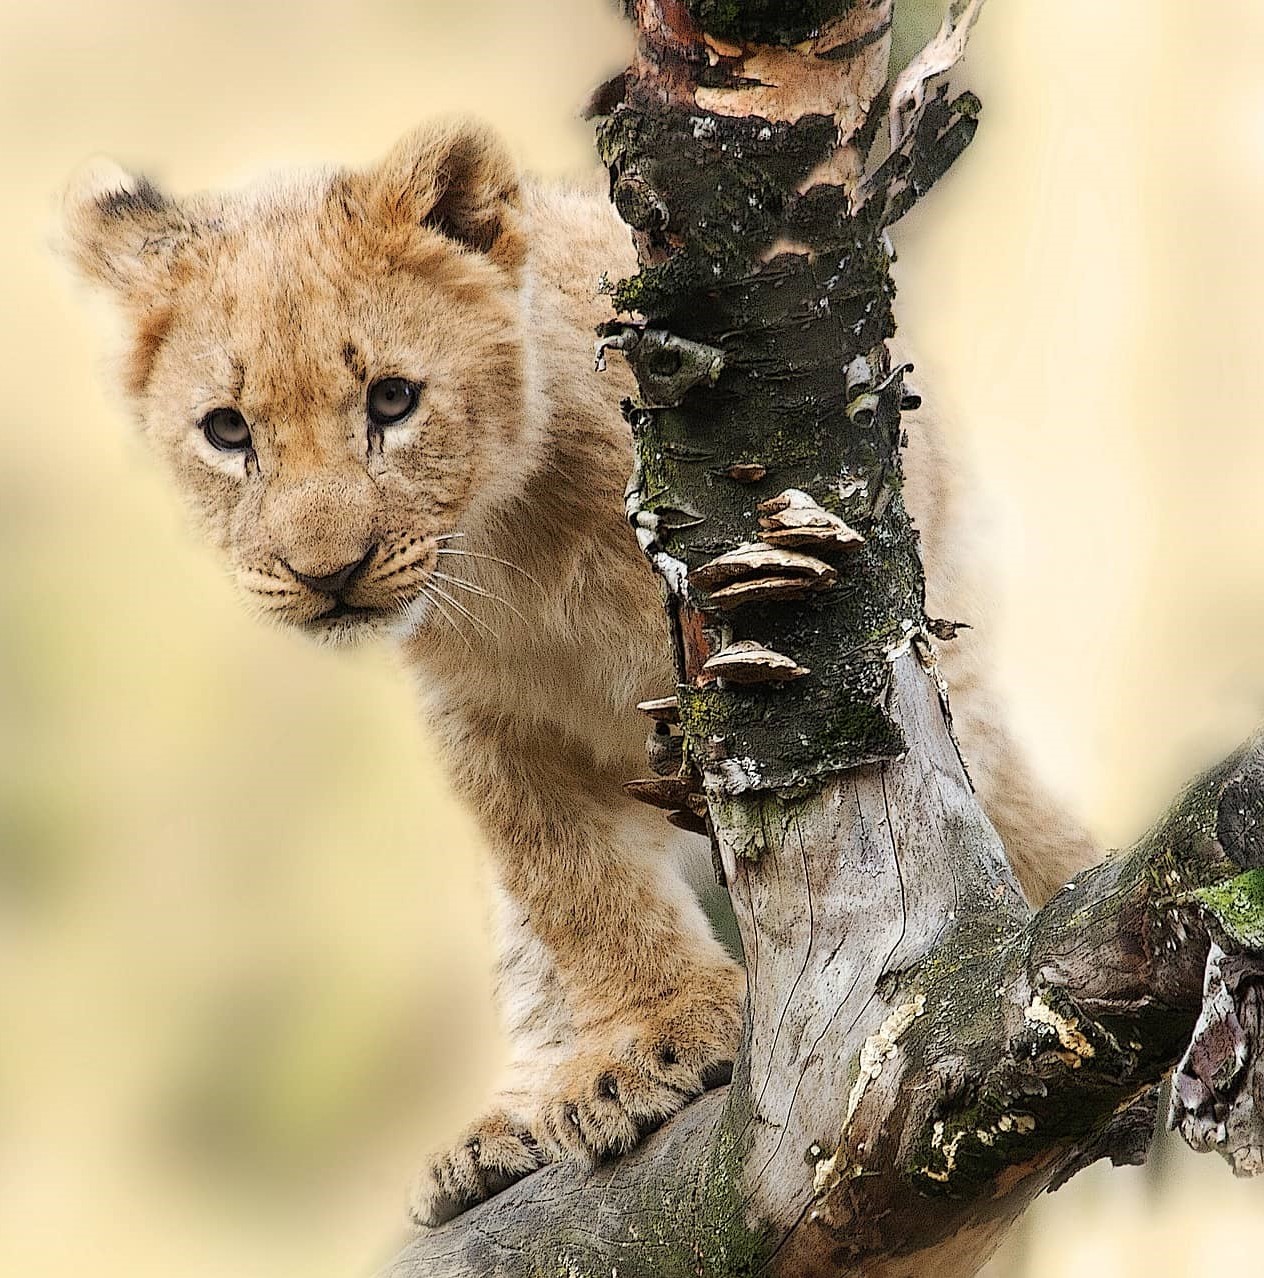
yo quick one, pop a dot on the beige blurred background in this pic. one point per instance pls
(243, 961)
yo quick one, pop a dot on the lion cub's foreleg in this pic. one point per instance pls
(620, 1004)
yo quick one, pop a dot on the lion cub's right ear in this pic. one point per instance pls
(453, 176)
(121, 231)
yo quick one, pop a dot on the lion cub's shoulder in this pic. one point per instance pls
(576, 238)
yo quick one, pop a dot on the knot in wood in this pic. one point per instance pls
(668, 367)
(639, 205)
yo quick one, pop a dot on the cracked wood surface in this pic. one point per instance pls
(925, 1057)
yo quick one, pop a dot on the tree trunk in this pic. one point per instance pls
(923, 1056)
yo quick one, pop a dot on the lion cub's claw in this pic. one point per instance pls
(606, 1101)
(490, 1156)
(605, 1107)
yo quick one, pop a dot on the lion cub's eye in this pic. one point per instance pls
(226, 428)
(391, 399)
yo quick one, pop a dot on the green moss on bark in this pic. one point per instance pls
(1238, 906)
(713, 1238)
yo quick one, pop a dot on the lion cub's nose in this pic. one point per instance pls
(334, 583)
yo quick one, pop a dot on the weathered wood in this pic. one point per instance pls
(924, 1059)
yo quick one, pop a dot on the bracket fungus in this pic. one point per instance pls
(795, 520)
(685, 819)
(746, 472)
(760, 573)
(764, 590)
(661, 709)
(758, 559)
(749, 662)
(671, 793)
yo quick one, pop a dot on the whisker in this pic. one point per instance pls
(465, 612)
(404, 610)
(478, 590)
(447, 536)
(475, 554)
(460, 634)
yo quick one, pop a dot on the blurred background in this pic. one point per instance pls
(243, 958)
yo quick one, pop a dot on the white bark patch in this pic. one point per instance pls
(940, 55)
(783, 84)
(733, 776)
(876, 1050)
(1012, 1124)
(1077, 1048)
(879, 1048)
(645, 525)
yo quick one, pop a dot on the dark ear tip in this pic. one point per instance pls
(107, 215)
(142, 197)
(101, 188)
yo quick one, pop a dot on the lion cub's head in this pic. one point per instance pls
(331, 367)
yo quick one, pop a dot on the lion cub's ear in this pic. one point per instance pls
(457, 178)
(121, 231)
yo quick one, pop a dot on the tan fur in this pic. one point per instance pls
(533, 631)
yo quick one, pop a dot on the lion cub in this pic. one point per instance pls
(375, 391)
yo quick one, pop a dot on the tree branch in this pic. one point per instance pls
(923, 1056)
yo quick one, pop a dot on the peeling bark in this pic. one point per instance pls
(923, 1055)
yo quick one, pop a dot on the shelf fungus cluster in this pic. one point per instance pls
(679, 792)
(759, 573)
(795, 521)
(778, 566)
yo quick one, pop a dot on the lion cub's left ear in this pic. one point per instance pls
(455, 177)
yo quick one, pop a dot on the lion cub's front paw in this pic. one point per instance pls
(639, 1068)
(628, 1074)
(496, 1151)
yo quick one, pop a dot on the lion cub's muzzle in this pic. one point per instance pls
(377, 585)
(336, 585)
(345, 596)
(373, 581)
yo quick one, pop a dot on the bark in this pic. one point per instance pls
(923, 1056)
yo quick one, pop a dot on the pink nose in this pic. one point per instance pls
(334, 583)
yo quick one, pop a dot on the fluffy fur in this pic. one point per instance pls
(498, 557)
